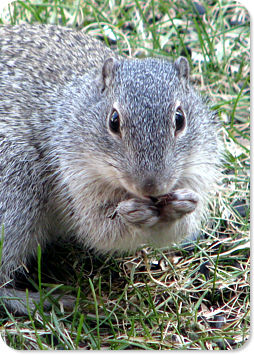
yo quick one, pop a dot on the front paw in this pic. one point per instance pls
(177, 204)
(137, 212)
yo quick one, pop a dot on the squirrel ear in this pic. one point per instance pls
(108, 71)
(183, 67)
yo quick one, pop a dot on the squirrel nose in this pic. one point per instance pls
(149, 187)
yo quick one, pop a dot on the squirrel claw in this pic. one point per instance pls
(112, 215)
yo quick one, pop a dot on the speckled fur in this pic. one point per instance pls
(64, 173)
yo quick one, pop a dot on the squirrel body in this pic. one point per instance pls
(90, 141)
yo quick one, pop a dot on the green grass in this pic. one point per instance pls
(195, 296)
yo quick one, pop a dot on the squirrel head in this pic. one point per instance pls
(149, 128)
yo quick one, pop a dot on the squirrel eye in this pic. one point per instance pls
(114, 122)
(179, 120)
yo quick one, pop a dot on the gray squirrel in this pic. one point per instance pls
(118, 152)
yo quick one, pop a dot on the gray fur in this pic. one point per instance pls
(63, 172)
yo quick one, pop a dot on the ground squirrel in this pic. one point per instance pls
(118, 152)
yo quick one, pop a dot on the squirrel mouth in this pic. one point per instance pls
(156, 198)
(163, 200)
(150, 187)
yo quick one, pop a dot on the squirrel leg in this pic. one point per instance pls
(184, 201)
(138, 212)
(24, 218)
(17, 301)
(15, 259)
(147, 213)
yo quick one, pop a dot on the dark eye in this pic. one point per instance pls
(179, 120)
(114, 122)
